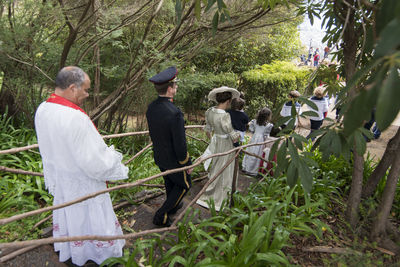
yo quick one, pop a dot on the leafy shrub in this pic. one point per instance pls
(194, 88)
(272, 82)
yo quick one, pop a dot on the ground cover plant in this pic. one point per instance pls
(267, 227)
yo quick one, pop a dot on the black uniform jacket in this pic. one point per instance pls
(167, 132)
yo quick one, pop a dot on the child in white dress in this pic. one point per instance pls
(261, 129)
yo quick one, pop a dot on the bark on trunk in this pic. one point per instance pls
(379, 225)
(96, 87)
(354, 200)
(383, 165)
(350, 39)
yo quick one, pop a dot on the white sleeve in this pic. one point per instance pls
(92, 155)
(207, 127)
(283, 113)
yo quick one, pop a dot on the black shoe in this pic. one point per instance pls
(174, 210)
(159, 221)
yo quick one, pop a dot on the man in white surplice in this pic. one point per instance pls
(77, 162)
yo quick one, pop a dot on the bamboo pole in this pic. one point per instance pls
(50, 240)
(139, 153)
(198, 139)
(235, 176)
(5, 169)
(17, 252)
(19, 149)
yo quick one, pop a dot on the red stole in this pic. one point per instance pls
(62, 101)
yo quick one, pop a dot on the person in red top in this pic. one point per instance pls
(316, 59)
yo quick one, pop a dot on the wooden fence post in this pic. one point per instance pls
(235, 176)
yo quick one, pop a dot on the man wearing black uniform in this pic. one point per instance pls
(167, 132)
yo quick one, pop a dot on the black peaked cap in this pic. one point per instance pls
(164, 76)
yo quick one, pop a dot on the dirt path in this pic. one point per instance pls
(375, 148)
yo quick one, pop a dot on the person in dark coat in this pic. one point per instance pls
(167, 132)
(239, 118)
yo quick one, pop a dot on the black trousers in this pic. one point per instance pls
(176, 187)
(315, 125)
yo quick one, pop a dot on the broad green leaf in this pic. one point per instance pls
(222, 18)
(197, 9)
(272, 258)
(178, 259)
(272, 152)
(317, 132)
(178, 11)
(221, 4)
(388, 105)
(308, 102)
(299, 137)
(293, 153)
(310, 162)
(306, 177)
(358, 77)
(389, 39)
(346, 152)
(292, 174)
(283, 120)
(325, 145)
(359, 110)
(336, 144)
(290, 125)
(360, 143)
(310, 17)
(388, 11)
(293, 111)
(210, 3)
(298, 142)
(215, 23)
(282, 161)
(228, 17)
(309, 113)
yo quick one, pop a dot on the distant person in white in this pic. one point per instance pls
(322, 109)
(77, 162)
(286, 110)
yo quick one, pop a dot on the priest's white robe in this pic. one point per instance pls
(77, 162)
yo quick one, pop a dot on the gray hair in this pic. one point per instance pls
(70, 75)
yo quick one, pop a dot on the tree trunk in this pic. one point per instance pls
(96, 57)
(73, 32)
(350, 39)
(379, 226)
(96, 87)
(356, 189)
(383, 165)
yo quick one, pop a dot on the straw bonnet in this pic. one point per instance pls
(215, 91)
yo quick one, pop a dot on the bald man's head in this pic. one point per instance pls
(70, 75)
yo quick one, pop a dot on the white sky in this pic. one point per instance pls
(312, 33)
